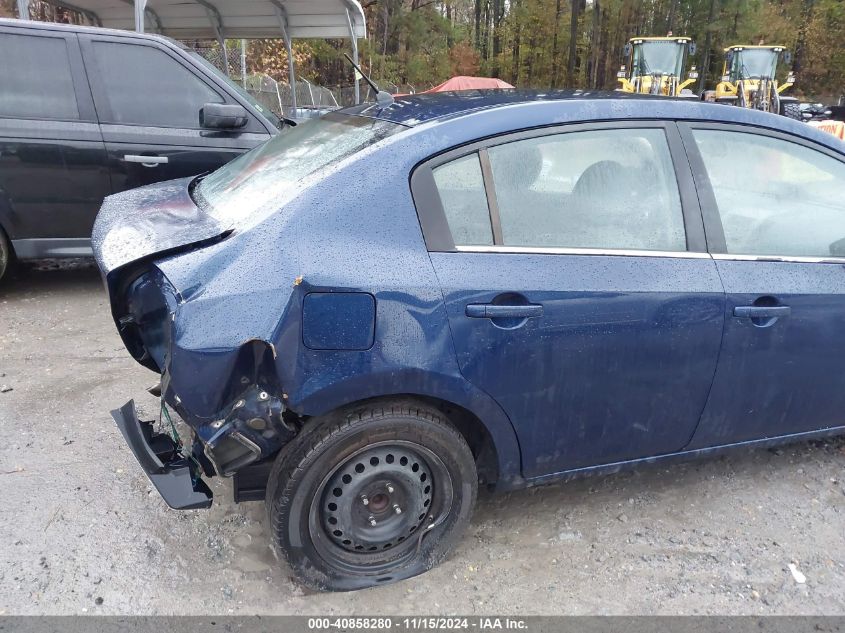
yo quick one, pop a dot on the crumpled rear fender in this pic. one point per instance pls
(220, 314)
(248, 421)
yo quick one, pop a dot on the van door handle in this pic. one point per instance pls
(762, 312)
(493, 311)
(146, 161)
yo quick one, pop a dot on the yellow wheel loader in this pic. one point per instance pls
(749, 80)
(655, 65)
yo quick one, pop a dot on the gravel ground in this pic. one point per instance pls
(81, 530)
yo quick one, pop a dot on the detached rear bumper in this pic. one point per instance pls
(174, 477)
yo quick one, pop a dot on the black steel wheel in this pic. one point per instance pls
(379, 498)
(370, 496)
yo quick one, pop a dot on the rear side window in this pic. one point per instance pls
(145, 86)
(612, 189)
(775, 197)
(35, 78)
(461, 188)
(602, 189)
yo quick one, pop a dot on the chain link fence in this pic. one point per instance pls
(311, 99)
(278, 97)
(229, 63)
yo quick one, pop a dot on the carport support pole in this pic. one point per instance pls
(222, 41)
(140, 7)
(23, 9)
(217, 26)
(283, 25)
(243, 62)
(354, 55)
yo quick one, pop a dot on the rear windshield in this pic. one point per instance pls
(274, 169)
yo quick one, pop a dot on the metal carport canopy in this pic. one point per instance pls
(222, 19)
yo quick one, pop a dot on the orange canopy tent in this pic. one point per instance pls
(469, 83)
(837, 128)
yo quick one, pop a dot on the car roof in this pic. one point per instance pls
(94, 30)
(421, 108)
(520, 109)
(424, 107)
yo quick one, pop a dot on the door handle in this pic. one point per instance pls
(493, 311)
(146, 161)
(762, 312)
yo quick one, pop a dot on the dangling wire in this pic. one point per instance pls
(164, 412)
(195, 472)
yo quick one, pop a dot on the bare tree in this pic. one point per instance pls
(573, 45)
(708, 44)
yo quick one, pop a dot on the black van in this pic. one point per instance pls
(87, 112)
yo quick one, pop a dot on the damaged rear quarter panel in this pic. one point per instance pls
(357, 231)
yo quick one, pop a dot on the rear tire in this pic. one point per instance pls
(791, 110)
(371, 495)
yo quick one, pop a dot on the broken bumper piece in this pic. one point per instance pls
(176, 478)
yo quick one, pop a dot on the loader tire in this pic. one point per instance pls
(791, 110)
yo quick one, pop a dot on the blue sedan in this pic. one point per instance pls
(369, 316)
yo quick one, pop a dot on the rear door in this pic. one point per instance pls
(776, 227)
(148, 98)
(578, 289)
(53, 169)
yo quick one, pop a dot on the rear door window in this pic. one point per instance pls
(598, 189)
(35, 78)
(461, 188)
(604, 189)
(143, 85)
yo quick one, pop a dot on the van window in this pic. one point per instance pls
(35, 78)
(146, 86)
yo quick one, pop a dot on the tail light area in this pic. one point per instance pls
(250, 423)
(145, 321)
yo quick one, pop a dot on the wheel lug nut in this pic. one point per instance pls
(397, 509)
(372, 521)
(365, 500)
(390, 488)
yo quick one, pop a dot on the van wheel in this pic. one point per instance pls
(370, 496)
(5, 254)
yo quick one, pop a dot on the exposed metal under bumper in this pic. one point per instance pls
(175, 480)
(250, 483)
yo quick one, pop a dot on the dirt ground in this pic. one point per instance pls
(82, 530)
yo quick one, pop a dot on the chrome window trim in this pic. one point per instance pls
(543, 250)
(779, 258)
